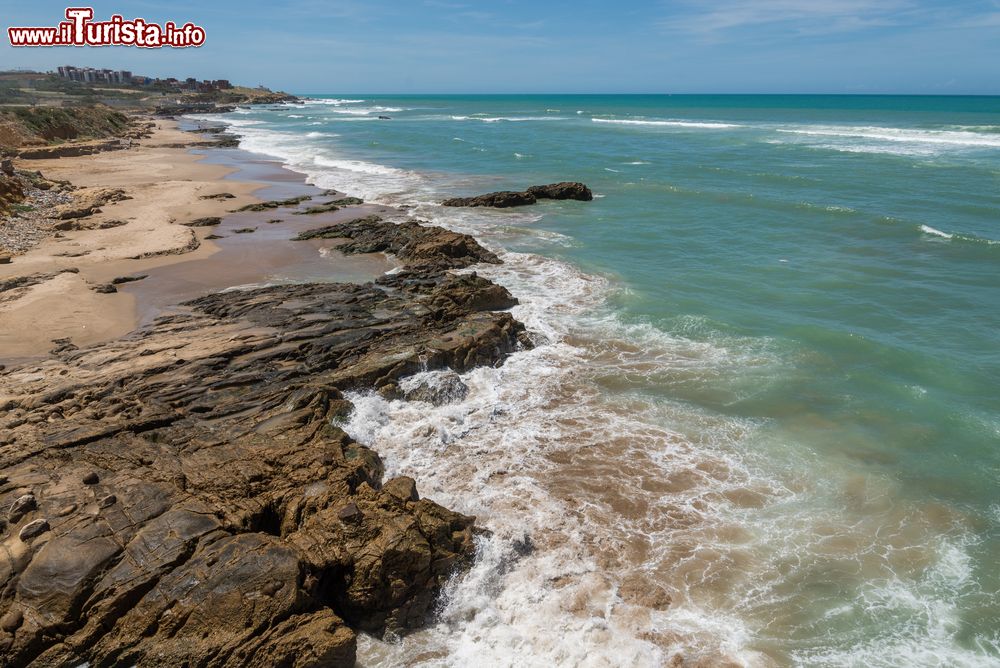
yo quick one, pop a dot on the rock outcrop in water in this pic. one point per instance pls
(508, 198)
(421, 247)
(185, 496)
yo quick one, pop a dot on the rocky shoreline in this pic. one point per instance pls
(184, 495)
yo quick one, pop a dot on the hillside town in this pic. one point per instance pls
(125, 77)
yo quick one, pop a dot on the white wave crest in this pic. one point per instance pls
(677, 124)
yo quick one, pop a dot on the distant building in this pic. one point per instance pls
(91, 75)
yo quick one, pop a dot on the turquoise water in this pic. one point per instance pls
(796, 299)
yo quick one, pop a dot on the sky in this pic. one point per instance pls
(542, 46)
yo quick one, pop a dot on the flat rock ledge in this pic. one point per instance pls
(185, 496)
(508, 198)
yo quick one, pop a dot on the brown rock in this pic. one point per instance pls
(402, 488)
(88, 202)
(32, 529)
(208, 221)
(247, 528)
(22, 505)
(274, 204)
(564, 190)
(509, 198)
(349, 513)
(500, 200)
(11, 621)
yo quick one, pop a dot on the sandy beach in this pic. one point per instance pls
(167, 186)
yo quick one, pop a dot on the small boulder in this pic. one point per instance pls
(438, 389)
(33, 529)
(349, 513)
(499, 200)
(22, 505)
(564, 190)
(403, 488)
(390, 391)
(11, 621)
(509, 198)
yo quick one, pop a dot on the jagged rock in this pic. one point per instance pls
(508, 198)
(349, 513)
(390, 391)
(421, 246)
(226, 141)
(439, 389)
(88, 202)
(499, 200)
(245, 230)
(319, 208)
(218, 196)
(105, 289)
(207, 221)
(194, 108)
(564, 190)
(5, 259)
(403, 488)
(11, 191)
(273, 204)
(247, 529)
(128, 279)
(74, 149)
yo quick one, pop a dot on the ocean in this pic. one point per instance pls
(761, 424)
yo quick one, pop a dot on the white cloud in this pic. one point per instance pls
(708, 19)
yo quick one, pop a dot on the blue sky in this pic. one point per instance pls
(428, 46)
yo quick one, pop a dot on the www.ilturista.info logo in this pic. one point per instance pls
(80, 30)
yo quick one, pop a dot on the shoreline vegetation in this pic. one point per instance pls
(174, 479)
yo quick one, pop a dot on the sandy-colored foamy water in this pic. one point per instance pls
(632, 531)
